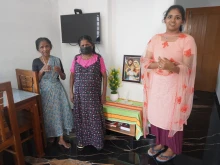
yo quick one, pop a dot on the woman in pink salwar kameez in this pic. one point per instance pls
(168, 75)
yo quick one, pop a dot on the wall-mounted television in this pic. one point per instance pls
(75, 25)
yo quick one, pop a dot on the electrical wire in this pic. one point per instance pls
(97, 48)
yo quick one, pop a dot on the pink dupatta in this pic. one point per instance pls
(185, 88)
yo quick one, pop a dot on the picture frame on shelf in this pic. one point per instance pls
(131, 68)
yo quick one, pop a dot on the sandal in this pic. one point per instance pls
(168, 158)
(80, 146)
(155, 152)
(99, 149)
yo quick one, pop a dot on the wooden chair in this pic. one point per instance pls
(28, 81)
(9, 136)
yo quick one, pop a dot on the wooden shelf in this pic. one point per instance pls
(117, 129)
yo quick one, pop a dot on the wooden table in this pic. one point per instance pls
(29, 101)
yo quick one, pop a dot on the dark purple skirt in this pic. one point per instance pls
(175, 142)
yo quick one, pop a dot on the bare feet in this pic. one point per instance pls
(65, 144)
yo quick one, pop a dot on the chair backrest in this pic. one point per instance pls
(5, 132)
(27, 80)
(9, 136)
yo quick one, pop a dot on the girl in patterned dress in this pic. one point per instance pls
(57, 114)
(89, 80)
(169, 68)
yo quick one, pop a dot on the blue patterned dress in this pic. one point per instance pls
(57, 113)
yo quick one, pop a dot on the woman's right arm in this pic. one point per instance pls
(149, 53)
(153, 65)
(41, 73)
(36, 68)
(71, 86)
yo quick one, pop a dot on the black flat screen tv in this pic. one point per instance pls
(75, 25)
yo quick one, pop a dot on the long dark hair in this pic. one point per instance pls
(39, 40)
(89, 39)
(181, 10)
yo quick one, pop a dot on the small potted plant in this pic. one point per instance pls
(114, 83)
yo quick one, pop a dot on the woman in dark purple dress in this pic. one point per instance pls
(88, 72)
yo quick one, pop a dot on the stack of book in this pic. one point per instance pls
(125, 127)
(109, 123)
(115, 124)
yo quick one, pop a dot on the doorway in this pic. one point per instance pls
(204, 25)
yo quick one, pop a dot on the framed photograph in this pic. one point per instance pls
(131, 69)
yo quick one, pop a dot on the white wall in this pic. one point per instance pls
(126, 27)
(134, 23)
(198, 3)
(22, 22)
